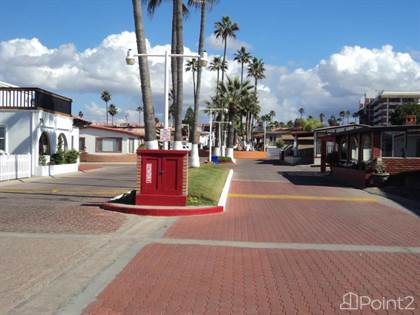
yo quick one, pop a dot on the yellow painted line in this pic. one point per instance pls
(300, 197)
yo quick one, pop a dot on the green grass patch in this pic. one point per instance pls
(206, 184)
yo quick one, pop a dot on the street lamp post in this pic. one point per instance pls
(220, 123)
(210, 110)
(131, 60)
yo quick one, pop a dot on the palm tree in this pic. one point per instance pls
(342, 115)
(149, 115)
(106, 97)
(195, 160)
(152, 5)
(243, 57)
(231, 94)
(112, 110)
(256, 70)
(321, 118)
(355, 115)
(179, 92)
(193, 66)
(225, 29)
(301, 112)
(81, 114)
(348, 116)
(218, 65)
(140, 110)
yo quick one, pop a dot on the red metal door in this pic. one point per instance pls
(171, 175)
(150, 179)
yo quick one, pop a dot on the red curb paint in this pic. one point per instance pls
(162, 212)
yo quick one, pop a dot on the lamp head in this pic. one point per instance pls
(130, 60)
(204, 59)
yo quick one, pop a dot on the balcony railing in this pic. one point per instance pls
(32, 98)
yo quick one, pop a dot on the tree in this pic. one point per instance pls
(195, 159)
(112, 110)
(179, 94)
(301, 112)
(243, 57)
(256, 70)
(81, 114)
(401, 112)
(332, 121)
(347, 115)
(311, 123)
(140, 110)
(321, 118)
(225, 29)
(189, 119)
(218, 65)
(192, 65)
(149, 115)
(106, 97)
(355, 115)
(342, 115)
(231, 93)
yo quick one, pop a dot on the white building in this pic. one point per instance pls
(31, 122)
(108, 144)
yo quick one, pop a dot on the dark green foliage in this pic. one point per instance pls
(71, 156)
(57, 158)
(280, 143)
(398, 117)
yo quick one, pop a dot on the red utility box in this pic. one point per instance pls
(162, 177)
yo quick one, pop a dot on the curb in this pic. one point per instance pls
(160, 211)
(225, 191)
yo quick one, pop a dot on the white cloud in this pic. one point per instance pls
(233, 43)
(334, 84)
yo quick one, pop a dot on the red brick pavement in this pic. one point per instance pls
(184, 279)
(246, 187)
(303, 221)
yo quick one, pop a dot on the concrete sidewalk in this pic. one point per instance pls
(289, 243)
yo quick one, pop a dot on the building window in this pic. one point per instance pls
(3, 139)
(354, 149)
(82, 144)
(366, 147)
(343, 150)
(131, 145)
(44, 144)
(109, 145)
(413, 145)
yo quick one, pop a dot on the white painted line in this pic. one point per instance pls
(225, 192)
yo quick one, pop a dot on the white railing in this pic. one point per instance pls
(17, 97)
(15, 166)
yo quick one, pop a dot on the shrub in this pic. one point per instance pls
(224, 159)
(57, 158)
(71, 156)
(42, 160)
(280, 143)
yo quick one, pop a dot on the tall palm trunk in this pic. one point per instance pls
(180, 73)
(195, 159)
(174, 65)
(149, 116)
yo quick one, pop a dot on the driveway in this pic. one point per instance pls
(290, 242)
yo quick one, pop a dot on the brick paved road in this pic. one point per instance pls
(274, 256)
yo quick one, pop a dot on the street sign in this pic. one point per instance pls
(165, 134)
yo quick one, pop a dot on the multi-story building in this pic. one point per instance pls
(377, 111)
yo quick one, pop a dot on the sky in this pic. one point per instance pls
(321, 55)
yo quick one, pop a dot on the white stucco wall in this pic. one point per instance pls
(24, 128)
(90, 135)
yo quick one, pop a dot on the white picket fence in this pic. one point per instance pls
(15, 166)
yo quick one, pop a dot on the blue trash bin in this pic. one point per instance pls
(215, 159)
